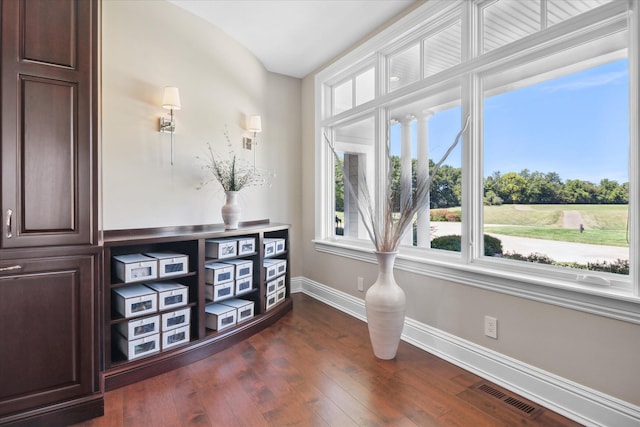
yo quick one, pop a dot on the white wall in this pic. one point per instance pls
(149, 44)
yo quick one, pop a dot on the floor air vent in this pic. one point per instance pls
(513, 402)
(490, 390)
(520, 405)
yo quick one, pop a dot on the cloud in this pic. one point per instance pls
(588, 82)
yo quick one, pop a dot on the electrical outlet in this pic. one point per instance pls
(491, 327)
(360, 284)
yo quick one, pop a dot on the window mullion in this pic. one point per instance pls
(472, 187)
(380, 75)
(634, 143)
(353, 92)
(543, 14)
(381, 135)
(471, 174)
(381, 141)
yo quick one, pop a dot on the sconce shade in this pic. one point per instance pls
(255, 124)
(171, 99)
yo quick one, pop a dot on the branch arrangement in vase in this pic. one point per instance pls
(232, 172)
(387, 234)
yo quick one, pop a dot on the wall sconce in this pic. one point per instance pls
(254, 124)
(170, 101)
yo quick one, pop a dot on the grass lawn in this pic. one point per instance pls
(594, 236)
(528, 215)
(605, 224)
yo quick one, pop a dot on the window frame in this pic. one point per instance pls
(470, 267)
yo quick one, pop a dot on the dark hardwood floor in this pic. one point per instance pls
(315, 367)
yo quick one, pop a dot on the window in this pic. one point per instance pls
(420, 132)
(404, 67)
(443, 49)
(538, 199)
(560, 196)
(355, 91)
(505, 21)
(343, 97)
(354, 145)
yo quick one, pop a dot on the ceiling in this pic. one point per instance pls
(295, 37)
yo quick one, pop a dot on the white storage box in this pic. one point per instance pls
(219, 316)
(281, 294)
(270, 269)
(135, 300)
(219, 292)
(170, 294)
(244, 268)
(216, 273)
(244, 309)
(244, 285)
(274, 268)
(269, 247)
(138, 328)
(272, 286)
(220, 248)
(277, 244)
(175, 337)
(272, 299)
(176, 319)
(170, 263)
(139, 347)
(135, 267)
(281, 282)
(246, 246)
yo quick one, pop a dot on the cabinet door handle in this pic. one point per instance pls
(12, 268)
(9, 233)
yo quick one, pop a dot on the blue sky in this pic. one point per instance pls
(577, 126)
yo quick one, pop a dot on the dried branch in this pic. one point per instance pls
(386, 236)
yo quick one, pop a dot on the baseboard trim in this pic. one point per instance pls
(577, 402)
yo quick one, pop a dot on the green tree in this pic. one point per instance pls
(543, 188)
(339, 185)
(395, 182)
(446, 187)
(492, 199)
(576, 191)
(609, 192)
(512, 188)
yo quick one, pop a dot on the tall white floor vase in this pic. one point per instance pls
(231, 211)
(385, 302)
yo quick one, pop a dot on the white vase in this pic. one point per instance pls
(385, 302)
(231, 211)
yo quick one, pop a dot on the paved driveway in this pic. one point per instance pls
(558, 251)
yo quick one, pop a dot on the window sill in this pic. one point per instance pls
(607, 302)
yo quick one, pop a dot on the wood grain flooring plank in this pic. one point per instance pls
(162, 410)
(313, 367)
(135, 404)
(190, 408)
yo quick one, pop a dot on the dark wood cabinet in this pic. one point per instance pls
(49, 253)
(48, 122)
(46, 327)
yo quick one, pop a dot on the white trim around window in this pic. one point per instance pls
(619, 301)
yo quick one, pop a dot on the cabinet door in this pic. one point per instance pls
(47, 123)
(46, 331)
